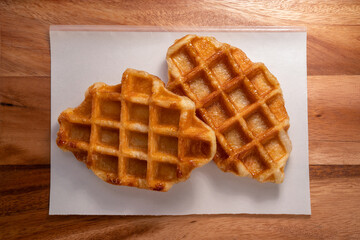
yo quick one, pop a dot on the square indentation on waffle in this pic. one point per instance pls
(167, 145)
(277, 107)
(220, 154)
(194, 148)
(108, 136)
(257, 122)
(137, 141)
(218, 111)
(184, 60)
(235, 136)
(204, 48)
(222, 70)
(85, 108)
(81, 155)
(136, 167)
(254, 162)
(80, 132)
(106, 163)
(165, 171)
(139, 85)
(260, 81)
(240, 95)
(241, 59)
(110, 109)
(168, 117)
(179, 91)
(274, 148)
(138, 113)
(200, 85)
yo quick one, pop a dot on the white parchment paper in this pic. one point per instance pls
(81, 58)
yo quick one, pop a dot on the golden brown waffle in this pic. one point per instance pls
(137, 134)
(242, 101)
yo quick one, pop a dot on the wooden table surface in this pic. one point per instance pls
(333, 52)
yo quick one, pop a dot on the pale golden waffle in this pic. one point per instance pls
(242, 101)
(137, 134)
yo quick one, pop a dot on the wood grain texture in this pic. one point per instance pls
(333, 27)
(333, 108)
(333, 53)
(335, 193)
(334, 130)
(24, 120)
(334, 153)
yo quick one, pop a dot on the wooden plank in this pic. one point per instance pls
(332, 47)
(24, 120)
(25, 49)
(334, 131)
(334, 112)
(333, 50)
(334, 153)
(24, 213)
(275, 12)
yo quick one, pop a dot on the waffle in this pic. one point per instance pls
(241, 100)
(137, 134)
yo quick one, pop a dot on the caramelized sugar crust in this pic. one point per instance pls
(240, 100)
(137, 134)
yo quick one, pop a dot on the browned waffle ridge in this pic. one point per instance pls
(137, 134)
(241, 100)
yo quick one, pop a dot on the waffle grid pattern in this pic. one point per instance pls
(136, 138)
(240, 100)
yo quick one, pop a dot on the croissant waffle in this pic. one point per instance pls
(241, 100)
(137, 134)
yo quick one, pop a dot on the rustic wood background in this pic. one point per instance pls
(334, 118)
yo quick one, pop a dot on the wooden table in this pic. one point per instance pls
(334, 118)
